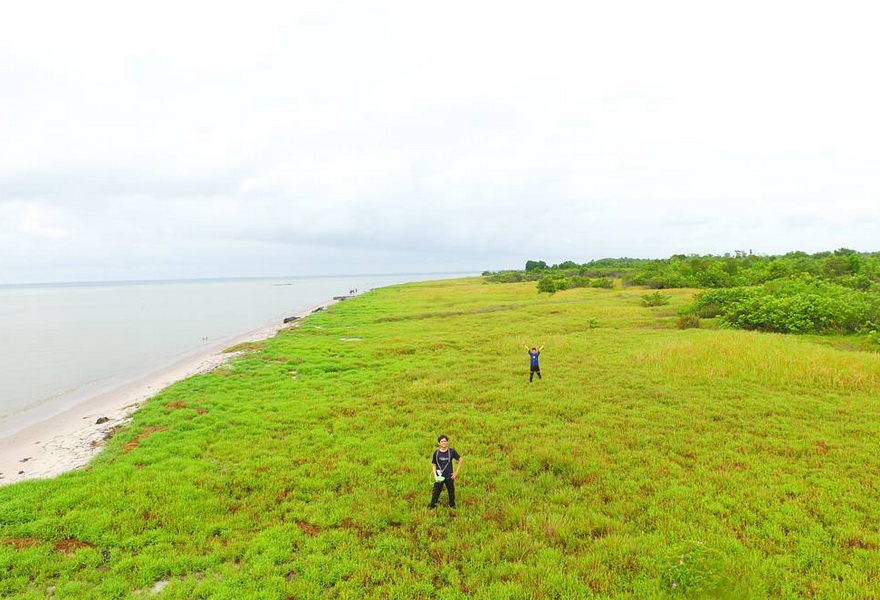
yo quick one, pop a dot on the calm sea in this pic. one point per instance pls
(61, 342)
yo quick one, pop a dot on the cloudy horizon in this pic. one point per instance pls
(177, 140)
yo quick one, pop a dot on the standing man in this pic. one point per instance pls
(442, 472)
(533, 356)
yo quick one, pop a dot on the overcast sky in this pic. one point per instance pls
(163, 139)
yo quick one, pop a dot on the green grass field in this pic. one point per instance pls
(650, 462)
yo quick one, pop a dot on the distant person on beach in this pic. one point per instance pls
(534, 367)
(442, 472)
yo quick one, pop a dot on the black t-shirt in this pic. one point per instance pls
(443, 460)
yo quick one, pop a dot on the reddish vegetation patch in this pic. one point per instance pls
(862, 544)
(71, 545)
(245, 347)
(821, 447)
(19, 543)
(734, 466)
(582, 480)
(493, 514)
(202, 411)
(308, 528)
(352, 526)
(175, 405)
(136, 441)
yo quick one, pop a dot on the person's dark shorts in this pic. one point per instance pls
(535, 369)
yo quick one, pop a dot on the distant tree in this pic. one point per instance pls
(534, 265)
(569, 264)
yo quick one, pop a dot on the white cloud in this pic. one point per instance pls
(171, 139)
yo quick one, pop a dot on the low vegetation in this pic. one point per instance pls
(822, 293)
(649, 462)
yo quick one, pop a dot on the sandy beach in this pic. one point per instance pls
(69, 440)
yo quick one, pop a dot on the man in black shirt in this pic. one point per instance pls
(442, 472)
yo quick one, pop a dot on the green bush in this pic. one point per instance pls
(550, 285)
(577, 282)
(603, 282)
(801, 304)
(713, 303)
(656, 299)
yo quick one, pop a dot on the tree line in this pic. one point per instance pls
(826, 292)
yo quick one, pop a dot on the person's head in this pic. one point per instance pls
(534, 349)
(443, 442)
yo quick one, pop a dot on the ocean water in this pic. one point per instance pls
(64, 342)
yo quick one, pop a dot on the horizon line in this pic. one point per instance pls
(230, 278)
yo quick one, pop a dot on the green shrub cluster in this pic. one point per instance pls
(551, 285)
(606, 268)
(846, 267)
(656, 299)
(826, 292)
(511, 276)
(801, 304)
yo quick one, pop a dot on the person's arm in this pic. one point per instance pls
(433, 466)
(541, 348)
(526, 346)
(457, 468)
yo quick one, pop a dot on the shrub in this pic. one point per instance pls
(577, 282)
(656, 299)
(713, 303)
(798, 313)
(801, 304)
(550, 285)
(689, 321)
(858, 282)
(603, 282)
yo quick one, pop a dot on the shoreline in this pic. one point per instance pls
(70, 439)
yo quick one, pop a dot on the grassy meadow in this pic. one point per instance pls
(650, 462)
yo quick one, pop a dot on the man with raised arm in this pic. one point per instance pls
(533, 356)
